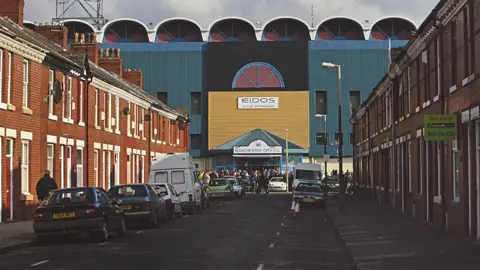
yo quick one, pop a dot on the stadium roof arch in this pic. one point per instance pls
(401, 18)
(112, 22)
(82, 22)
(177, 19)
(209, 29)
(28, 22)
(302, 21)
(317, 27)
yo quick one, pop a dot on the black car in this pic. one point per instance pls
(140, 202)
(78, 211)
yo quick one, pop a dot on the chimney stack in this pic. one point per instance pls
(134, 76)
(85, 42)
(55, 33)
(13, 9)
(110, 60)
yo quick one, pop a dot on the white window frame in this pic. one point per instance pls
(129, 121)
(26, 74)
(80, 105)
(439, 66)
(178, 134)
(117, 114)
(95, 167)
(135, 116)
(1, 76)
(109, 120)
(421, 145)
(51, 102)
(9, 79)
(104, 168)
(143, 123)
(25, 170)
(64, 83)
(455, 152)
(61, 159)
(80, 167)
(51, 159)
(409, 149)
(69, 98)
(409, 89)
(96, 107)
(105, 123)
(169, 131)
(129, 168)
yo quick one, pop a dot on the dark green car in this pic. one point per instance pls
(221, 188)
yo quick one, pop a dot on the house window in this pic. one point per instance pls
(68, 100)
(117, 114)
(79, 167)
(467, 39)
(9, 79)
(129, 119)
(321, 138)
(196, 103)
(456, 171)
(354, 101)
(453, 38)
(135, 119)
(95, 167)
(25, 164)
(439, 65)
(337, 138)
(143, 123)
(169, 132)
(321, 102)
(96, 108)
(105, 123)
(409, 90)
(50, 158)
(163, 97)
(196, 141)
(51, 83)
(80, 103)
(109, 112)
(1, 76)
(25, 83)
(164, 129)
(178, 177)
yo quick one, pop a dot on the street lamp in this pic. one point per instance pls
(340, 139)
(324, 116)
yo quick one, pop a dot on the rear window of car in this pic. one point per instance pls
(71, 196)
(216, 183)
(309, 187)
(161, 188)
(128, 191)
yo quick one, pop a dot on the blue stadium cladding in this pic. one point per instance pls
(177, 68)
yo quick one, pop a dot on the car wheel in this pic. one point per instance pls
(123, 228)
(103, 234)
(154, 219)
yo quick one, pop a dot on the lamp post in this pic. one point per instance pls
(340, 139)
(88, 77)
(286, 152)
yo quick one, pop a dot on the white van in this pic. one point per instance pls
(178, 170)
(307, 172)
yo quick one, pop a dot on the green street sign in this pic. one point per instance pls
(440, 127)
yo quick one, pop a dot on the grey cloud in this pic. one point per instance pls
(206, 11)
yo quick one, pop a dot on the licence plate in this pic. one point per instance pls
(308, 200)
(126, 207)
(63, 215)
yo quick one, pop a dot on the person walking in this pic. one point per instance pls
(45, 185)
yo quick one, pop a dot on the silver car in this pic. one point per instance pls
(237, 186)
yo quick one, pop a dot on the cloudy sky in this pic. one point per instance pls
(206, 11)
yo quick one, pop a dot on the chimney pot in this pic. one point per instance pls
(89, 38)
(118, 52)
(94, 37)
(82, 38)
(75, 40)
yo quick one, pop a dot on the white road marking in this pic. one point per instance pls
(284, 216)
(271, 245)
(278, 233)
(282, 224)
(139, 232)
(101, 244)
(260, 266)
(39, 263)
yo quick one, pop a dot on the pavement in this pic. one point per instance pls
(15, 235)
(379, 238)
(256, 232)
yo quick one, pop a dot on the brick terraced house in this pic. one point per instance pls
(437, 73)
(46, 108)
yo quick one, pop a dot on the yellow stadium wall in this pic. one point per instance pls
(226, 121)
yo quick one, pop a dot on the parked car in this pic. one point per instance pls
(173, 202)
(78, 211)
(221, 188)
(140, 202)
(309, 193)
(237, 187)
(277, 184)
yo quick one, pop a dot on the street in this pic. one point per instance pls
(255, 232)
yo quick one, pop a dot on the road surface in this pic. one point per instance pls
(255, 232)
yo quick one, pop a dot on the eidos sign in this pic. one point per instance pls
(258, 103)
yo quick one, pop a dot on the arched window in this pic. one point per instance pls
(258, 75)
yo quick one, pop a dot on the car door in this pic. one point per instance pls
(155, 200)
(112, 211)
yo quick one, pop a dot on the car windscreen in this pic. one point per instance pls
(128, 191)
(309, 187)
(307, 174)
(218, 183)
(71, 196)
(277, 179)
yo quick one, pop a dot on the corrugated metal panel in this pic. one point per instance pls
(361, 70)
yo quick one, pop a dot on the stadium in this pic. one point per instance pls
(257, 90)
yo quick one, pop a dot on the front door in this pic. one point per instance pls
(109, 168)
(117, 168)
(62, 166)
(69, 166)
(9, 180)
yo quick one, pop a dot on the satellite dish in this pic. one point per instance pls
(147, 117)
(182, 125)
(172, 122)
(126, 111)
(57, 92)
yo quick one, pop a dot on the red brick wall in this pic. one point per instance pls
(13, 9)
(55, 33)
